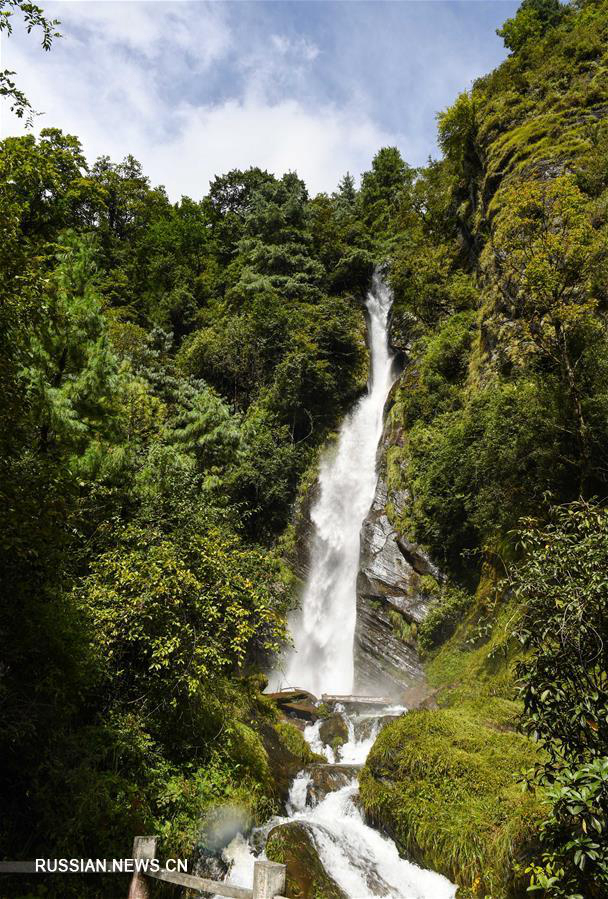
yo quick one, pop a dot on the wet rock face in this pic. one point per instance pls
(391, 566)
(365, 727)
(384, 664)
(293, 845)
(390, 571)
(333, 730)
(328, 778)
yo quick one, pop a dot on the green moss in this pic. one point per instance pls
(293, 740)
(402, 629)
(442, 784)
(428, 584)
(247, 750)
(292, 845)
(334, 731)
(443, 617)
(475, 667)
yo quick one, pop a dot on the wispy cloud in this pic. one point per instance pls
(194, 89)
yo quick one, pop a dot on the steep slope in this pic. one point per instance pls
(498, 263)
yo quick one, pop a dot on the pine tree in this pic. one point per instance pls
(72, 375)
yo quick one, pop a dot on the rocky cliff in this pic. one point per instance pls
(391, 599)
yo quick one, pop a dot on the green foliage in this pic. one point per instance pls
(457, 132)
(436, 383)
(34, 18)
(574, 833)
(209, 431)
(168, 373)
(382, 187)
(475, 470)
(71, 375)
(551, 273)
(532, 20)
(169, 616)
(563, 594)
(565, 687)
(294, 740)
(443, 618)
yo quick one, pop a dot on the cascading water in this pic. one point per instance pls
(361, 862)
(323, 632)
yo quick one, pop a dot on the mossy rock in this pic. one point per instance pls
(333, 731)
(442, 784)
(287, 752)
(292, 845)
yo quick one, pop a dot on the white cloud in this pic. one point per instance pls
(94, 84)
(320, 145)
(147, 28)
(301, 47)
(195, 89)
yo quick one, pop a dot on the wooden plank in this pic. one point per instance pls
(143, 847)
(268, 879)
(201, 883)
(356, 700)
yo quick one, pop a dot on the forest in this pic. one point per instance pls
(169, 374)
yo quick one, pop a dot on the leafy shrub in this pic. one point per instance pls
(436, 382)
(443, 618)
(562, 587)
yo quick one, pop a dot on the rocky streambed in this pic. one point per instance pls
(323, 838)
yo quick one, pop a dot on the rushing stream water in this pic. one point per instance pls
(361, 861)
(364, 863)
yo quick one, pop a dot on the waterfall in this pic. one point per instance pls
(362, 862)
(323, 631)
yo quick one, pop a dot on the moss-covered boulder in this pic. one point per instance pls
(442, 784)
(287, 752)
(292, 845)
(333, 731)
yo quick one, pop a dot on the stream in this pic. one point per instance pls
(323, 798)
(362, 862)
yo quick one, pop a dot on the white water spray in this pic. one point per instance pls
(323, 631)
(364, 863)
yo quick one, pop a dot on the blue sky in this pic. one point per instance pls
(195, 89)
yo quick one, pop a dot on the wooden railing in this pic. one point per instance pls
(268, 878)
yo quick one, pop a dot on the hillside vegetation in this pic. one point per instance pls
(169, 373)
(499, 261)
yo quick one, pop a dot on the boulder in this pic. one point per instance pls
(293, 845)
(287, 753)
(328, 778)
(333, 730)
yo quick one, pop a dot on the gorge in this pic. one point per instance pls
(189, 451)
(324, 820)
